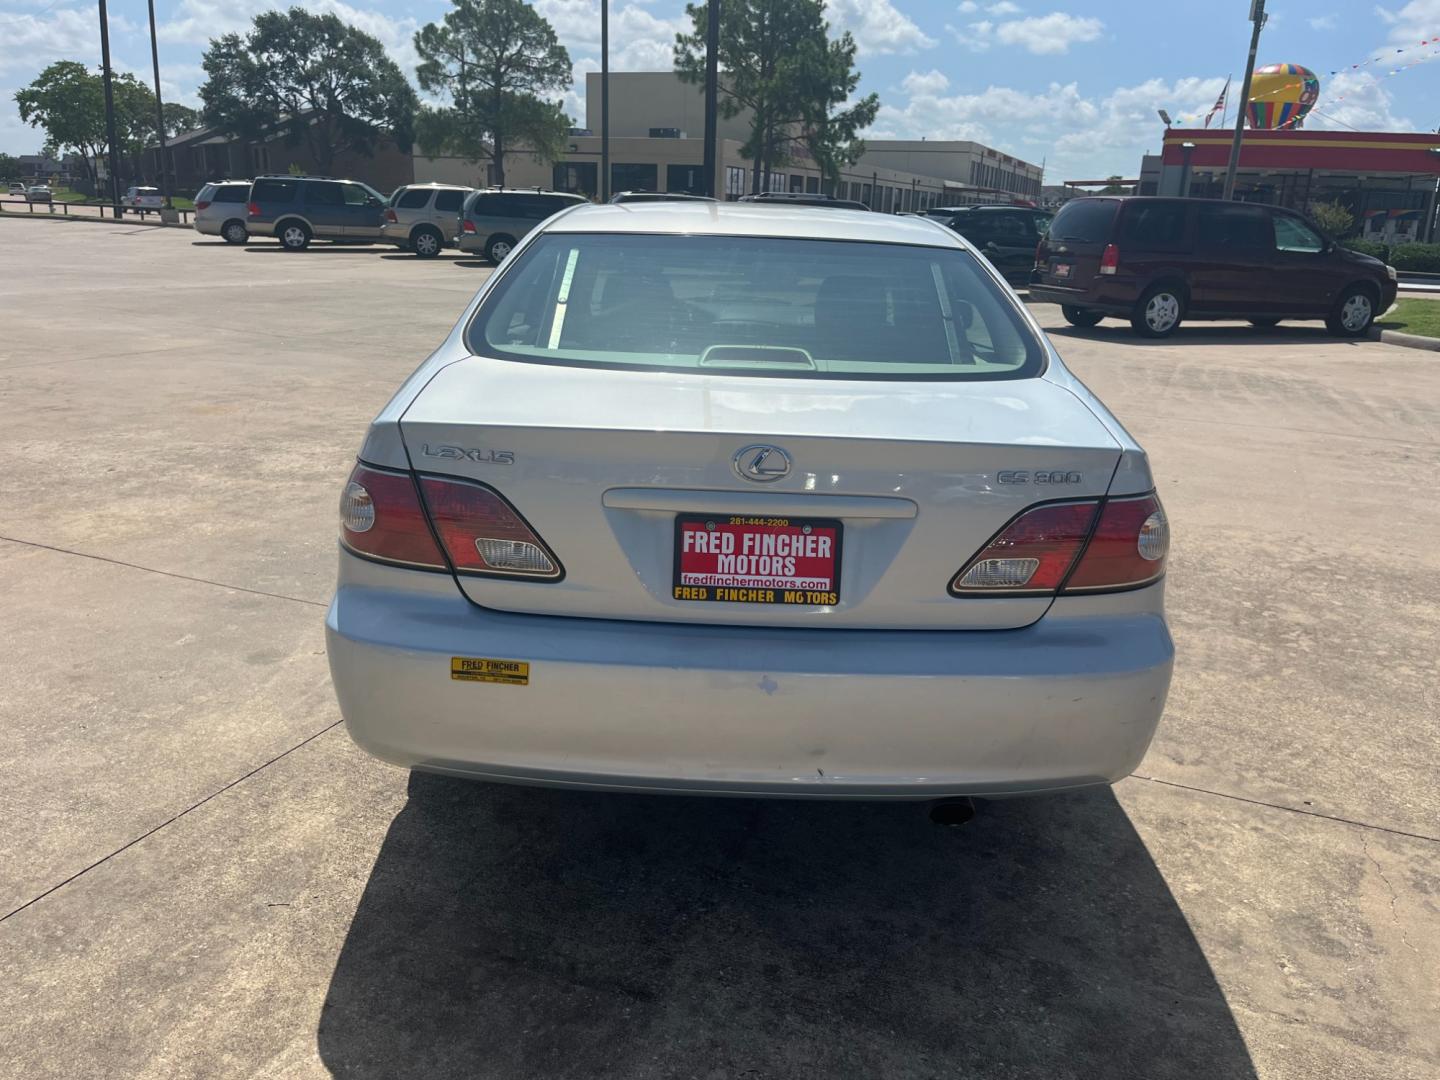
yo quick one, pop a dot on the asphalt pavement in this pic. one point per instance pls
(200, 876)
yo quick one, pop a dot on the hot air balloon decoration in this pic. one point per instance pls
(1281, 95)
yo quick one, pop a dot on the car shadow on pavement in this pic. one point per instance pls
(318, 249)
(1119, 333)
(516, 932)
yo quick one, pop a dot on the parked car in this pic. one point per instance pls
(800, 198)
(1158, 261)
(142, 199)
(657, 196)
(298, 209)
(1006, 235)
(39, 193)
(493, 221)
(682, 505)
(220, 210)
(17, 189)
(421, 217)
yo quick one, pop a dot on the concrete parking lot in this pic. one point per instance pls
(200, 876)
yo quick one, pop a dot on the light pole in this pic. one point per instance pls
(114, 166)
(1189, 148)
(159, 109)
(604, 101)
(712, 94)
(1257, 18)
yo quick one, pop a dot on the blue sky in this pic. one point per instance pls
(1073, 82)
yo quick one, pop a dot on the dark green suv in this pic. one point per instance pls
(298, 209)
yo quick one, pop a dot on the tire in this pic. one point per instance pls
(1264, 324)
(234, 232)
(1353, 312)
(293, 235)
(1080, 316)
(497, 247)
(1159, 311)
(426, 242)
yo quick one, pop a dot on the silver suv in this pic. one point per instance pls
(220, 210)
(422, 217)
(493, 221)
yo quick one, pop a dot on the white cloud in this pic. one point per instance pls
(968, 7)
(1367, 105)
(29, 42)
(1049, 34)
(878, 26)
(1082, 137)
(929, 83)
(1324, 22)
(1004, 7)
(1042, 34)
(1412, 23)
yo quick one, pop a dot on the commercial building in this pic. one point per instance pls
(1387, 180)
(656, 144)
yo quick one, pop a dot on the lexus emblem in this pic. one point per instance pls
(763, 464)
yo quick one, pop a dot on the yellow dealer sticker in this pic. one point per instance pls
(485, 669)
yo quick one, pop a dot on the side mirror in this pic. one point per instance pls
(371, 200)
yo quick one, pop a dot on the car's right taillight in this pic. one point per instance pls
(381, 518)
(483, 534)
(1083, 546)
(1128, 549)
(253, 209)
(1110, 259)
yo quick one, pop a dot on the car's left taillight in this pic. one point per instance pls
(202, 204)
(390, 216)
(381, 518)
(1087, 545)
(253, 209)
(467, 226)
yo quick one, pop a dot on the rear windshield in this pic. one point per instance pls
(205, 193)
(1084, 221)
(758, 305)
(232, 193)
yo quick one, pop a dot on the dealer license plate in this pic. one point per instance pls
(757, 560)
(1062, 270)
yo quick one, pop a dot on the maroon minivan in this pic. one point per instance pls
(1157, 261)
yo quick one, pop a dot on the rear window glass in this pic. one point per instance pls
(1225, 228)
(232, 193)
(1155, 226)
(1084, 221)
(273, 190)
(755, 306)
(206, 194)
(413, 199)
(449, 201)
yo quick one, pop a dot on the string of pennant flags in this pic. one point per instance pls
(1430, 47)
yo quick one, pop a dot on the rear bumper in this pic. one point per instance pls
(1070, 701)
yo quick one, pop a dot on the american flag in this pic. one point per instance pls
(1219, 105)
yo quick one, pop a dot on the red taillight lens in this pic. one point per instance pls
(467, 226)
(1128, 548)
(1110, 260)
(1031, 555)
(483, 534)
(390, 215)
(203, 204)
(381, 517)
(253, 209)
(1035, 553)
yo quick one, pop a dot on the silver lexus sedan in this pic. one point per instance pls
(740, 499)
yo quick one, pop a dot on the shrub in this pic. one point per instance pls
(1422, 257)
(1367, 247)
(1333, 218)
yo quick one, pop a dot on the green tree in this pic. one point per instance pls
(312, 79)
(493, 60)
(1113, 186)
(67, 102)
(179, 118)
(781, 66)
(1333, 219)
(9, 167)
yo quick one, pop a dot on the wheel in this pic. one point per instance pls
(1079, 316)
(426, 242)
(1159, 311)
(1264, 324)
(235, 232)
(294, 236)
(497, 247)
(1354, 312)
